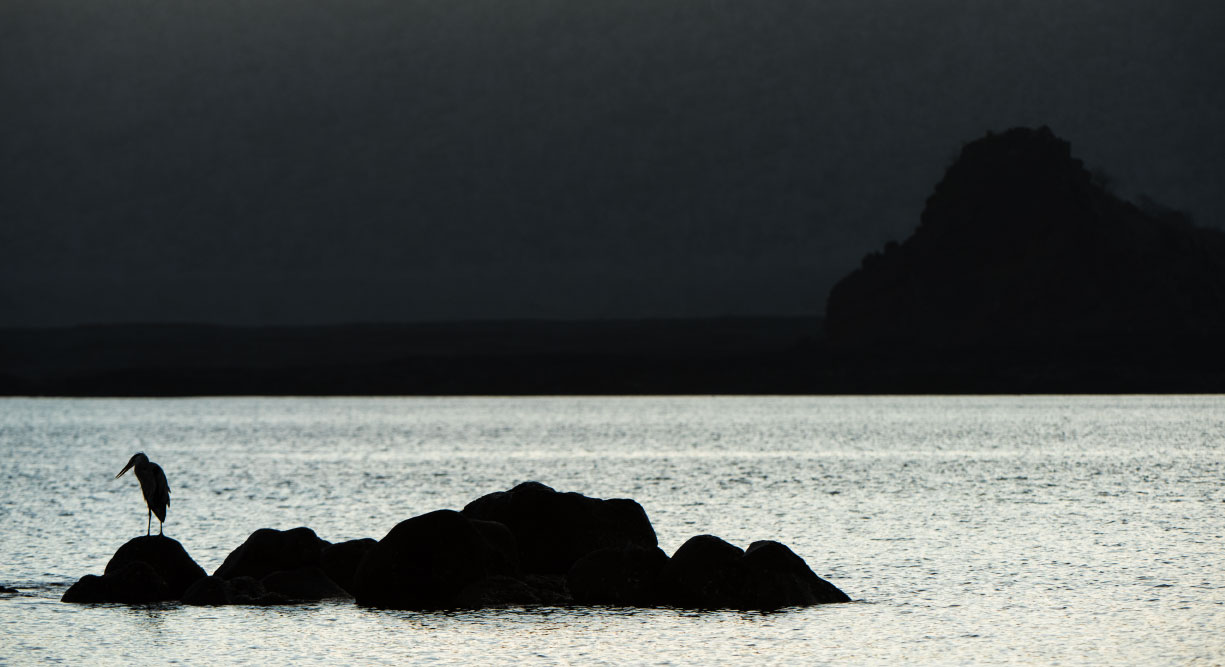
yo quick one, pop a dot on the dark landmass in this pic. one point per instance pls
(1025, 275)
(515, 358)
(1027, 272)
(766, 356)
(1020, 247)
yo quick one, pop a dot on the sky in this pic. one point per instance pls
(296, 162)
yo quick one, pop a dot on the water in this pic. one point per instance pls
(968, 530)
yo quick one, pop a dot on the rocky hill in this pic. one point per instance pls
(1020, 248)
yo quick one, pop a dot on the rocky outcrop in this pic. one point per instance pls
(146, 569)
(553, 549)
(554, 530)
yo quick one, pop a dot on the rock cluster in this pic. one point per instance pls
(530, 545)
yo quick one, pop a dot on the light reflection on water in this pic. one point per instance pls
(1038, 529)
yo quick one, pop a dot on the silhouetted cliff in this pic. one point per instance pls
(1019, 249)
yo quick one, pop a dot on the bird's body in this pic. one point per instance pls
(154, 487)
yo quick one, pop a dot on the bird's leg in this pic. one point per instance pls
(149, 527)
(159, 527)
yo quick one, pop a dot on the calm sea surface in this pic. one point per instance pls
(968, 530)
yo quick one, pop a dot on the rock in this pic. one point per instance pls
(137, 582)
(167, 557)
(248, 590)
(553, 530)
(245, 590)
(709, 573)
(506, 591)
(215, 591)
(90, 588)
(5, 590)
(145, 569)
(304, 583)
(426, 562)
(497, 591)
(705, 572)
(268, 550)
(340, 560)
(209, 591)
(549, 589)
(628, 576)
(776, 577)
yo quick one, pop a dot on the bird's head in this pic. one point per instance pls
(138, 457)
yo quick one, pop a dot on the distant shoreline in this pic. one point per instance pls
(615, 357)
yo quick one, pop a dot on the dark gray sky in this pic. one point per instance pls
(314, 161)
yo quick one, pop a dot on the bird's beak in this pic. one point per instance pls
(125, 469)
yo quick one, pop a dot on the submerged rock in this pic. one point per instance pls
(427, 561)
(146, 569)
(554, 530)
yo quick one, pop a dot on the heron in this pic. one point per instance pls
(153, 485)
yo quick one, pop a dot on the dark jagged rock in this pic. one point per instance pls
(304, 583)
(340, 560)
(167, 557)
(553, 530)
(707, 572)
(268, 550)
(1019, 248)
(145, 569)
(629, 576)
(426, 562)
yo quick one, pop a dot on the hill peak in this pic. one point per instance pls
(1019, 246)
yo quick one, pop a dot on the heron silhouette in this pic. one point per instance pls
(153, 485)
